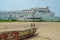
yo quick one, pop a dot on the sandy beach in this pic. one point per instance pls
(46, 30)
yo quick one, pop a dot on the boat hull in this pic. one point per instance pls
(17, 35)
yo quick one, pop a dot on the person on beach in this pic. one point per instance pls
(33, 25)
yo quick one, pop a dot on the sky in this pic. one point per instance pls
(8, 5)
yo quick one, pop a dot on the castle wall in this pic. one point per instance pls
(24, 14)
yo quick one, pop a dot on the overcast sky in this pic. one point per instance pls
(54, 5)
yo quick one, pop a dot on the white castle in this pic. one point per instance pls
(28, 15)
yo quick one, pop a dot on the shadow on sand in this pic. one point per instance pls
(37, 36)
(31, 36)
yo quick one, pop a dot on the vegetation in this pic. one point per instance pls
(45, 21)
(14, 20)
(11, 21)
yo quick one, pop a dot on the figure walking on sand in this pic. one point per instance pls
(33, 25)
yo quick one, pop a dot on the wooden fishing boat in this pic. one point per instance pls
(16, 33)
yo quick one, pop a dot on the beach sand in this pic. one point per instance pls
(46, 30)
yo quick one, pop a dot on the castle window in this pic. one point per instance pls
(42, 11)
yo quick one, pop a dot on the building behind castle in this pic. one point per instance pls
(28, 15)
